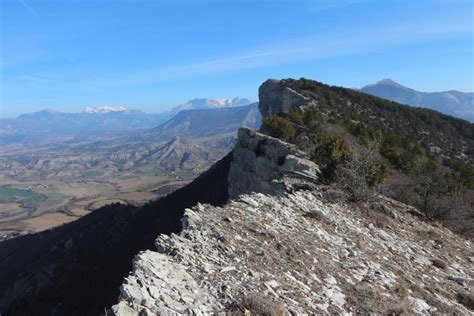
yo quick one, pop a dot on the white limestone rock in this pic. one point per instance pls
(276, 98)
(268, 165)
(270, 249)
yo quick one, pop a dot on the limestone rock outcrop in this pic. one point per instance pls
(301, 254)
(268, 165)
(283, 245)
(276, 98)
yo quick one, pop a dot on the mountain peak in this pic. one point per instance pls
(205, 103)
(40, 114)
(385, 82)
(454, 103)
(105, 109)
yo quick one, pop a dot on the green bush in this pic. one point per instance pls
(296, 116)
(400, 152)
(311, 115)
(278, 127)
(329, 153)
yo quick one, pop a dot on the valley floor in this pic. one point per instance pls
(30, 206)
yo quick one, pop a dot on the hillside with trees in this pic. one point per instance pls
(367, 145)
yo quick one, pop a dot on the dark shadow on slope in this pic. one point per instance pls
(77, 269)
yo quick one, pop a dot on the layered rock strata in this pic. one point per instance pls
(300, 254)
(268, 165)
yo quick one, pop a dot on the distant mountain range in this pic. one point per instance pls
(196, 104)
(105, 109)
(191, 140)
(454, 103)
(207, 122)
(93, 123)
(52, 126)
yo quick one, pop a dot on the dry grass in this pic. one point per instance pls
(402, 291)
(426, 293)
(257, 305)
(429, 235)
(368, 301)
(379, 220)
(466, 299)
(439, 263)
(47, 221)
(318, 216)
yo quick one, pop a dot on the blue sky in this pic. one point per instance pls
(152, 55)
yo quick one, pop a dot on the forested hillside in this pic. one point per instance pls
(368, 145)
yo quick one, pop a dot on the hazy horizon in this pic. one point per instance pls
(171, 106)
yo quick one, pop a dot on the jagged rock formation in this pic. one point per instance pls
(275, 97)
(268, 165)
(303, 254)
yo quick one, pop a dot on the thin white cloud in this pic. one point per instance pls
(334, 43)
(32, 78)
(28, 7)
(318, 46)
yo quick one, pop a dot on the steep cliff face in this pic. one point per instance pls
(276, 97)
(268, 165)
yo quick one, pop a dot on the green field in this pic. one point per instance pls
(33, 200)
(52, 199)
(185, 174)
(93, 174)
(25, 197)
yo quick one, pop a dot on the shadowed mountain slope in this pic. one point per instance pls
(207, 122)
(76, 269)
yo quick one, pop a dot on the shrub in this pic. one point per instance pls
(425, 157)
(311, 115)
(466, 299)
(257, 305)
(278, 127)
(329, 153)
(439, 263)
(399, 151)
(296, 116)
(318, 216)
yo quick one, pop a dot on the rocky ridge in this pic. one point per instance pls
(298, 250)
(286, 245)
(276, 98)
(268, 165)
(302, 254)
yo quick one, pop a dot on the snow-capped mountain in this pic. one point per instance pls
(108, 120)
(105, 109)
(211, 104)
